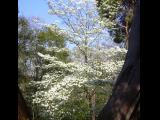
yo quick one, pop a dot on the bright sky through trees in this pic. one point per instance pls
(67, 61)
(39, 8)
(35, 8)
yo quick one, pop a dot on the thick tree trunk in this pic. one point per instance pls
(22, 108)
(124, 104)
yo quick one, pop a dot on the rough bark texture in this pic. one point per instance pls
(22, 108)
(124, 104)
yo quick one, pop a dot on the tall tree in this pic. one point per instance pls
(45, 38)
(31, 41)
(82, 23)
(25, 35)
(84, 28)
(124, 104)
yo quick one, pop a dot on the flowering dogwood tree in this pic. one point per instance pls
(81, 23)
(68, 90)
(73, 82)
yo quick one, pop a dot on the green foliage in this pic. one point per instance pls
(30, 42)
(117, 15)
(48, 35)
(54, 39)
(24, 37)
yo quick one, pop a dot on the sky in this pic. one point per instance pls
(37, 8)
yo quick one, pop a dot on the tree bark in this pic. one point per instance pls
(93, 101)
(124, 104)
(23, 113)
(127, 36)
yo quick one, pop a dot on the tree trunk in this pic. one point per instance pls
(93, 101)
(22, 108)
(124, 104)
(91, 96)
(85, 58)
(127, 36)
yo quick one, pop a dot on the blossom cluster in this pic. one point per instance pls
(57, 85)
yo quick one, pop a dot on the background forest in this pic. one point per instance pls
(67, 71)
